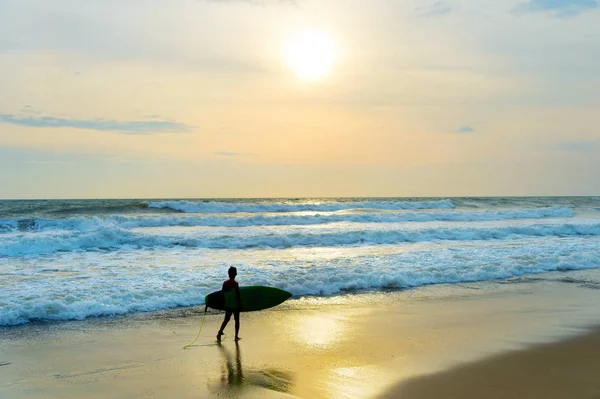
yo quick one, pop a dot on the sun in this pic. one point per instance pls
(310, 54)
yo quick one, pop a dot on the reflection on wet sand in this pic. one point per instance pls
(234, 379)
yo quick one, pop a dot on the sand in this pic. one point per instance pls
(475, 340)
(568, 369)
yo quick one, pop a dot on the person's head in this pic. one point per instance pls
(232, 272)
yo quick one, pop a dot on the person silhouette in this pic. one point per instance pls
(232, 303)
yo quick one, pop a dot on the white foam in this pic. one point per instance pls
(69, 287)
(226, 220)
(36, 243)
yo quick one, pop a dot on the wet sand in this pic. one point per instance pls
(568, 369)
(473, 340)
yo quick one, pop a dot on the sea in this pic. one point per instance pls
(75, 259)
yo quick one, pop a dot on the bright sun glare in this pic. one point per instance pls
(310, 54)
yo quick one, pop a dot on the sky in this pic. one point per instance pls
(212, 98)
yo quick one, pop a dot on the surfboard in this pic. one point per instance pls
(252, 297)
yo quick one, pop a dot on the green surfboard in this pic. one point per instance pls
(252, 297)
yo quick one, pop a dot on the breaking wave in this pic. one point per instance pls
(116, 238)
(127, 222)
(98, 291)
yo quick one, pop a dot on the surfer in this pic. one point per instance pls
(231, 285)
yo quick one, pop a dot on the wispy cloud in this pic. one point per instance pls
(125, 127)
(258, 2)
(28, 109)
(234, 154)
(559, 8)
(436, 9)
(578, 146)
(48, 162)
(466, 129)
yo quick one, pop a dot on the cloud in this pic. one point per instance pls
(48, 162)
(577, 146)
(102, 30)
(125, 127)
(234, 154)
(436, 9)
(28, 109)
(258, 2)
(560, 8)
(466, 129)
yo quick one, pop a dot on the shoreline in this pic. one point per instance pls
(353, 346)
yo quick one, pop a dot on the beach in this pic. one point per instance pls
(391, 297)
(534, 338)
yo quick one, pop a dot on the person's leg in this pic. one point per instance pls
(236, 316)
(225, 321)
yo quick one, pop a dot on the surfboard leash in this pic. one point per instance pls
(200, 330)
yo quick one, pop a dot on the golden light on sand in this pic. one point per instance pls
(310, 54)
(317, 330)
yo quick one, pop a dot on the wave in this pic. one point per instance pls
(99, 292)
(117, 238)
(266, 207)
(78, 308)
(91, 207)
(91, 223)
(525, 202)
(58, 208)
(101, 208)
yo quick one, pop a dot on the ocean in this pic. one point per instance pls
(75, 259)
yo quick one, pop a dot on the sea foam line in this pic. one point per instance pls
(128, 222)
(116, 238)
